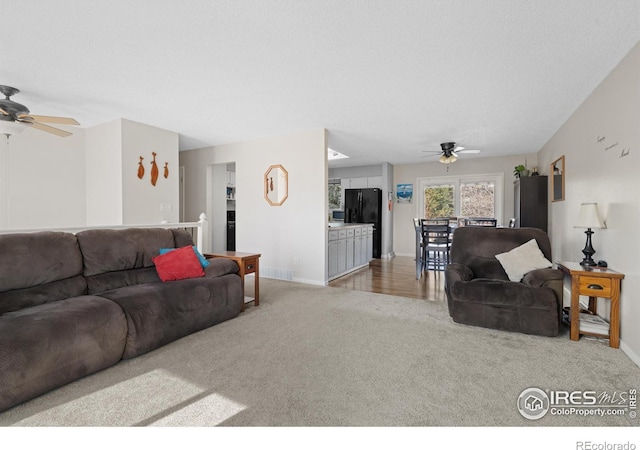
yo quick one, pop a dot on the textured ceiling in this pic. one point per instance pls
(388, 79)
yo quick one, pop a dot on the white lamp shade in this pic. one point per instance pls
(10, 127)
(590, 217)
(448, 159)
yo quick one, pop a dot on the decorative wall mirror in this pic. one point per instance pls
(556, 174)
(276, 185)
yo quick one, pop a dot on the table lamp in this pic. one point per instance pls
(589, 218)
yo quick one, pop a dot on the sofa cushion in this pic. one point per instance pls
(66, 340)
(37, 268)
(181, 237)
(179, 264)
(503, 293)
(505, 305)
(113, 280)
(30, 259)
(159, 313)
(116, 258)
(42, 293)
(476, 247)
(522, 260)
(114, 250)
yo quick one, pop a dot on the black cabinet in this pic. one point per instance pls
(531, 202)
(231, 231)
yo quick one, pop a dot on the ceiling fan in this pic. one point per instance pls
(14, 117)
(449, 152)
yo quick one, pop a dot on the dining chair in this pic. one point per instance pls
(436, 221)
(480, 222)
(417, 225)
(436, 245)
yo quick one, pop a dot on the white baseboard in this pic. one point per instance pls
(633, 356)
(305, 281)
(276, 273)
(293, 279)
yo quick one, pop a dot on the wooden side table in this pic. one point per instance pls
(594, 282)
(247, 263)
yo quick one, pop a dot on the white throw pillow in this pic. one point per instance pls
(523, 259)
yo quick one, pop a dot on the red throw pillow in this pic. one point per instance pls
(178, 264)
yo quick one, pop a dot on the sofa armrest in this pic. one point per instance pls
(220, 266)
(457, 272)
(549, 278)
(541, 277)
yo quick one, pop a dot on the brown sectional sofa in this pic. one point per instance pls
(71, 305)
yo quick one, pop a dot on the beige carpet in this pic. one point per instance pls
(320, 356)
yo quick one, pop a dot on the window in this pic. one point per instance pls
(438, 201)
(463, 196)
(477, 199)
(335, 194)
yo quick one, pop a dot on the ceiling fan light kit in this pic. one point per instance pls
(447, 159)
(8, 127)
(14, 117)
(449, 152)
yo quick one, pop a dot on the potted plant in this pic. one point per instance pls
(520, 171)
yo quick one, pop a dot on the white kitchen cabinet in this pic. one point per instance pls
(333, 253)
(231, 178)
(369, 244)
(342, 255)
(357, 183)
(361, 182)
(374, 182)
(358, 256)
(350, 248)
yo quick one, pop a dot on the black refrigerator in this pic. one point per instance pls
(365, 206)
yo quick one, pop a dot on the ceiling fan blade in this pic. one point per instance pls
(48, 129)
(50, 119)
(468, 151)
(4, 112)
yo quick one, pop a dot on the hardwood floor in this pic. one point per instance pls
(395, 276)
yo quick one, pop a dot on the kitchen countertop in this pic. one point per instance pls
(346, 225)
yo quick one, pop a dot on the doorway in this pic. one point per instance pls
(222, 206)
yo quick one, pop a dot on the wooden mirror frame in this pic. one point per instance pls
(556, 175)
(276, 185)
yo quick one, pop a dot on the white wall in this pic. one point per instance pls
(608, 118)
(388, 189)
(297, 229)
(404, 233)
(42, 180)
(88, 178)
(142, 202)
(104, 174)
(115, 194)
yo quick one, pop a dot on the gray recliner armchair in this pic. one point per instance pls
(480, 293)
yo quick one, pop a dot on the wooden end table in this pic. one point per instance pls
(594, 282)
(247, 263)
